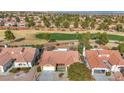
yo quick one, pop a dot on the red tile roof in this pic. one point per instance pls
(59, 57)
(96, 58)
(5, 58)
(26, 55)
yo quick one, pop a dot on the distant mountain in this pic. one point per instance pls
(90, 12)
(71, 12)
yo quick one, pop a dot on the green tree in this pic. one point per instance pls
(66, 24)
(84, 40)
(119, 28)
(26, 19)
(84, 24)
(121, 47)
(96, 35)
(57, 23)
(79, 72)
(17, 19)
(47, 23)
(76, 24)
(107, 20)
(80, 48)
(92, 25)
(103, 38)
(103, 26)
(9, 35)
(31, 23)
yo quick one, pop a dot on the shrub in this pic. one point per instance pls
(108, 73)
(24, 69)
(82, 73)
(14, 70)
(121, 47)
(38, 69)
(61, 75)
(102, 39)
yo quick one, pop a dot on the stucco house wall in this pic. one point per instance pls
(1, 69)
(22, 64)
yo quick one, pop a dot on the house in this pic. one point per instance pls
(18, 57)
(9, 23)
(22, 18)
(58, 60)
(21, 24)
(101, 60)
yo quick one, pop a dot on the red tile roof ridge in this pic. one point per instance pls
(97, 61)
(56, 57)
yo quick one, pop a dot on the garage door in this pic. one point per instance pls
(49, 68)
(99, 71)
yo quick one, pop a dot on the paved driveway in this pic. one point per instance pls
(20, 76)
(46, 76)
(51, 76)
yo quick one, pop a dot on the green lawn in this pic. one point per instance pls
(58, 36)
(116, 37)
(62, 36)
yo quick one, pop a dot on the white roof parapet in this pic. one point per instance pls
(96, 49)
(61, 49)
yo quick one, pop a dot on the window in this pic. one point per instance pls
(20, 64)
(99, 71)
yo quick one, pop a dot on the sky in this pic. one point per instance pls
(61, 5)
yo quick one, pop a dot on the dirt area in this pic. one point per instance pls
(109, 45)
(28, 35)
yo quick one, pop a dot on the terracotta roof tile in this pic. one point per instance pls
(20, 54)
(96, 58)
(59, 57)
